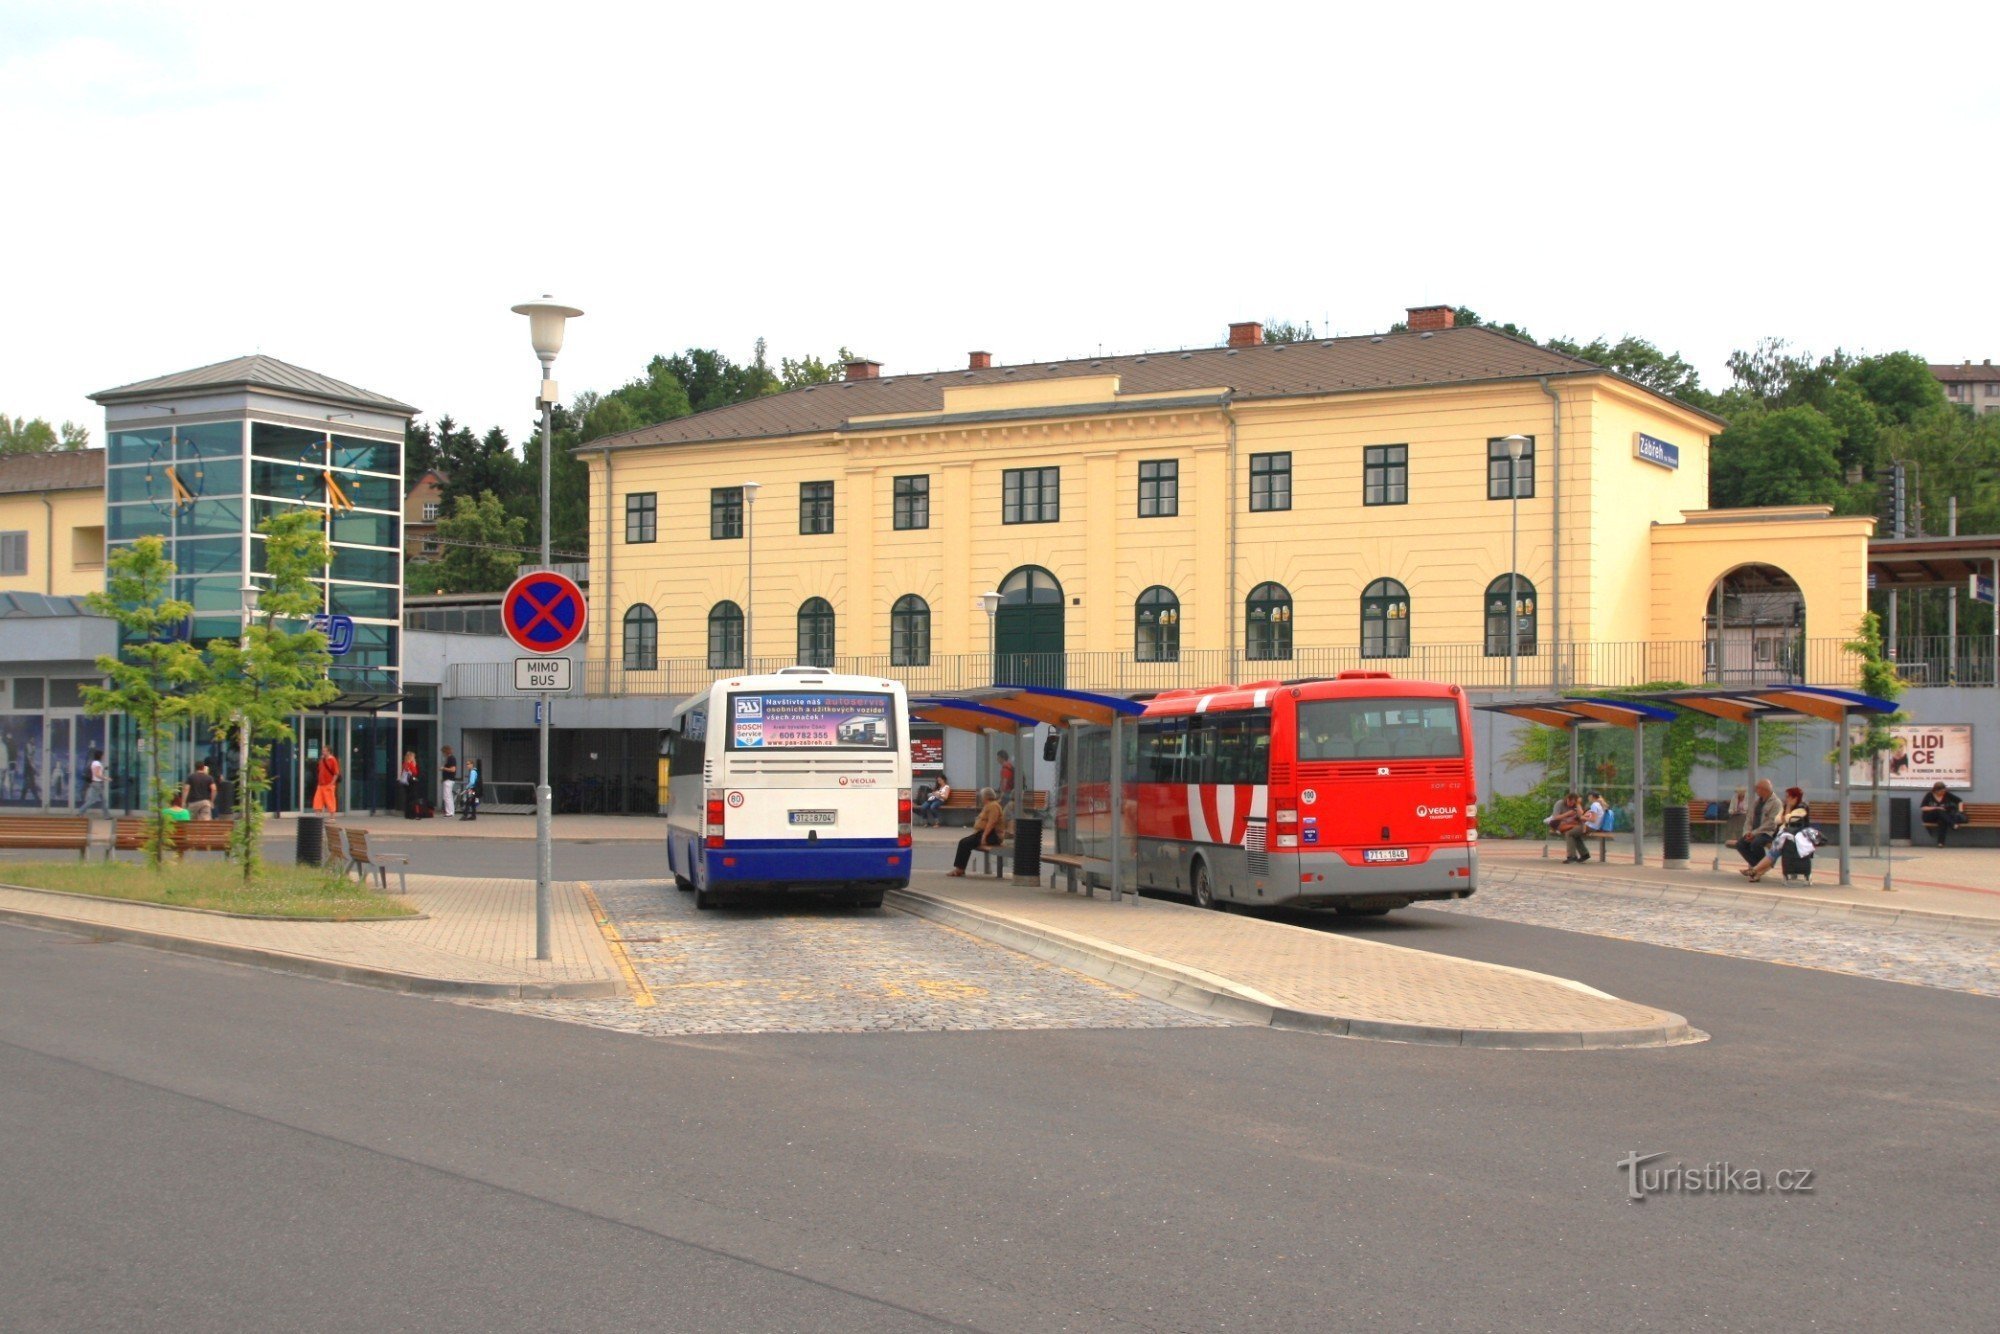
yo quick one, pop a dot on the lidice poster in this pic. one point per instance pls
(1922, 754)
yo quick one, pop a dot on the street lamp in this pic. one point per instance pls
(749, 572)
(546, 317)
(1516, 446)
(990, 604)
(249, 593)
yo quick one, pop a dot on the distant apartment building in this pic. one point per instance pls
(1977, 387)
(421, 508)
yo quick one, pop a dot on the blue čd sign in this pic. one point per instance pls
(339, 632)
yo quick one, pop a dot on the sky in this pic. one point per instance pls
(366, 189)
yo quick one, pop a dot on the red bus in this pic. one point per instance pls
(1354, 793)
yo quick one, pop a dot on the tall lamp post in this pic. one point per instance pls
(546, 317)
(990, 604)
(1516, 446)
(749, 573)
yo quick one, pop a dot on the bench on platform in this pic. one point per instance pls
(1699, 818)
(1078, 869)
(58, 832)
(1981, 828)
(362, 862)
(994, 860)
(129, 834)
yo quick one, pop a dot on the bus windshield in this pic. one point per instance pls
(811, 720)
(1378, 729)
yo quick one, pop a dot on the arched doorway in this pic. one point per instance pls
(1028, 629)
(1763, 628)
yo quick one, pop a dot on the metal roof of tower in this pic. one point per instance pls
(254, 372)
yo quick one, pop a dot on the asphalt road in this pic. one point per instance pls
(195, 1145)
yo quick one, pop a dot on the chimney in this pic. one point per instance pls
(862, 369)
(979, 361)
(1247, 333)
(1426, 318)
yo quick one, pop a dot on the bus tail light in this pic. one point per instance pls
(713, 825)
(903, 821)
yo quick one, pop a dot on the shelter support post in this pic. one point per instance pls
(1639, 795)
(1118, 808)
(1843, 777)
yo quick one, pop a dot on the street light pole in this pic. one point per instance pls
(990, 604)
(545, 329)
(749, 573)
(249, 594)
(1516, 444)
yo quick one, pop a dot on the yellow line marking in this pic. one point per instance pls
(642, 995)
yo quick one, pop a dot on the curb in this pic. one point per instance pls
(1786, 903)
(1208, 994)
(206, 912)
(325, 969)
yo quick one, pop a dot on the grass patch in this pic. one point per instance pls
(278, 891)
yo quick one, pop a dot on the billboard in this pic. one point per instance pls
(926, 749)
(811, 720)
(1923, 754)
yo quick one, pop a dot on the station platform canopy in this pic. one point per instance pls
(1006, 708)
(1567, 713)
(1931, 562)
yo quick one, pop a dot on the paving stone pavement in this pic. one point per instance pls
(807, 967)
(1918, 957)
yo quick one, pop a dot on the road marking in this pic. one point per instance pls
(642, 995)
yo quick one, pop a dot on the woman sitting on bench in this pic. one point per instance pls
(988, 831)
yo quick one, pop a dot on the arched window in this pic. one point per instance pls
(910, 632)
(725, 637)
(1385, 620)
(1514, 588)
(1156, 632)
(1268, 623)
(816, 633)
(642, 639)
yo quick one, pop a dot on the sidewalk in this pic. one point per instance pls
(475, 938)
(563, 828)
(1265, 972)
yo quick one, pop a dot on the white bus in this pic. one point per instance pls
(798, 780)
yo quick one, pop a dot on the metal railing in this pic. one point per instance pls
(1944, 660)
(1609, 666)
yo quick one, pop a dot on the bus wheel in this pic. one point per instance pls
(684, 885)
(704, 899)
(1198, 886)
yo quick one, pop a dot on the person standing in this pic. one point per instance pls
(408, 777)
(469, 795)
(1940, 812)
(326, 793)
(1006, 781)
(448, 783)
(96, 787)
(198, 793)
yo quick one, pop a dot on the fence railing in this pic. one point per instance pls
(1608, 666)
(1945, 660)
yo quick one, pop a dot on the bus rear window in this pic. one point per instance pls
(811, 720)
(1378, 729)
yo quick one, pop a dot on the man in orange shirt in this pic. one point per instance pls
(324, 797)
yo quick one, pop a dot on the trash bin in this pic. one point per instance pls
(1028, 850)
(312, 838)
(1674, 826)
(1899, 819)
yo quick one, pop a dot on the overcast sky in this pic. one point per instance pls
(364, 190)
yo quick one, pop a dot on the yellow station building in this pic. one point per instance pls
(1236, 512)
(52, 523)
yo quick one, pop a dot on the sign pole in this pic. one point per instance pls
(544, 801)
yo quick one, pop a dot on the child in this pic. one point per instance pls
(468, 798)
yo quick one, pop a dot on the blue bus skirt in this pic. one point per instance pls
(790, 863)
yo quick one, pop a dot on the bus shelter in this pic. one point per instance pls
(1007, 708)
(1571, 716)
(1786, 703)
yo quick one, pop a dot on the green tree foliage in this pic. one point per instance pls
(483, 547)
(1636, 359)
(1285, 331)
(811, 370)
(22, 435)
(1878, 678)
(157, 672)
(1787, 457)
(276, 671)
(420, 451)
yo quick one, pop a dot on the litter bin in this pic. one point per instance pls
(1674, 825)
(1899, 819)
(312, 838)
(1028, 850)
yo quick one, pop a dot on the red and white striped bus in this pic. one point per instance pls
(1354, 792)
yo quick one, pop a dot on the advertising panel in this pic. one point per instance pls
(1923, 754)
(811, 720)
(926, 749)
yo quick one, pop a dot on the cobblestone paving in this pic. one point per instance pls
(1921, 958)
(812, 968)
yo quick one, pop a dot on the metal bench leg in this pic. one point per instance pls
(402, 880)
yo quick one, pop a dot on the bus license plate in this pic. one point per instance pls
(1385, 854)
(812, 817)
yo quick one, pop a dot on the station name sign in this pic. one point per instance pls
(1656, 451)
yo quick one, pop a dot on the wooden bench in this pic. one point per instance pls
(1982, 821)
(129, 834)
(359, 860)
(1698, 817)
(47, 831)
(335, 852)
(1077, 868)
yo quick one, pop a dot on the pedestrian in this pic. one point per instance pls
(198, 793)
(1761, 825)
(1942, 812)
(96, 787)
(177, 809)
(327, 779)
(468, 796)
(1006, 781)
(932, 807)
(448, 783)
(1568, 824)
(408, 776)
(988, 830)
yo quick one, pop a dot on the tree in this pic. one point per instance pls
(420, 451)
(275, 672)
(21, 435)
(484, 546)
(473, 465)
(1636, 359)
(1776, 458)
(1284, 331)
(811, 370)
(156, 674)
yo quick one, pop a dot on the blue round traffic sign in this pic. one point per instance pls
(544, 612)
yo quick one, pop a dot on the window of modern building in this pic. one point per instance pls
(1521, 593)
(1156, 626)
(913, 502)
(1271, 482)
(642, 516)
(1267, 623)
(1159, 488)
(725, 636)
(1496, 469)
(1385, 476)
(910, 632)
(725, 512)
(1385, 620)
(816, 633)
(1031, 495)
(13, 553)
(815, 507)
(642, 639)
